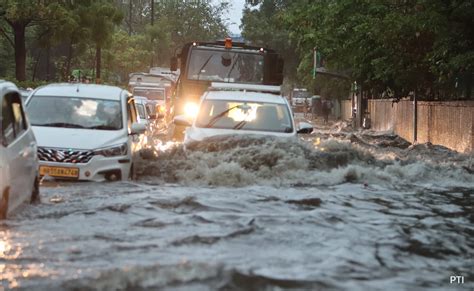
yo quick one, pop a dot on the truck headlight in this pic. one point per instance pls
(191, 109)
(113, 151)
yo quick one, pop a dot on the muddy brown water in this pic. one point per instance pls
(337, 211)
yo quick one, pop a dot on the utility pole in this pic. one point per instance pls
(415, 102)
(315, 62)
(152, 22)
(415, 117)
(130, 7)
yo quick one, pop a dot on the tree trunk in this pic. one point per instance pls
(68, 61)
(48, 63)
(20, 51)
(35, 68)
(98, 60)
(152, 22)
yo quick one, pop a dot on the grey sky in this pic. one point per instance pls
(235, 14)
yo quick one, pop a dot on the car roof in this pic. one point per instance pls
(6, 87)
(80, 90)
(150, 88)
(242, 95)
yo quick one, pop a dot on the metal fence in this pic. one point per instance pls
(346, 109)
(450, 124)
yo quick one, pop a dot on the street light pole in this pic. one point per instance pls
(315, 62)
(152, 22)
(415, 103)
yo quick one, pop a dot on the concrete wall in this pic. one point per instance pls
(450, 124)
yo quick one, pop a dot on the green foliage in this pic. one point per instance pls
(399, 46)
(64, 35)
(264, 27)
(402, 45)
(127, 54)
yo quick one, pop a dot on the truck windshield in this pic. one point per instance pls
(151, 94)
(225, 66)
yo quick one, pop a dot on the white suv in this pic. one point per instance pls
(85, 131)
(18, 161)
(241, 109)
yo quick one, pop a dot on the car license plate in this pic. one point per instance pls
(59, 172)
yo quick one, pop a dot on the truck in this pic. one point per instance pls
(201, 63)
(156, 87)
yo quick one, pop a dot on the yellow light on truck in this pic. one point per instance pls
(228, 43)
(191, 109)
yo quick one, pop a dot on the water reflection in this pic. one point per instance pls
(12, 267)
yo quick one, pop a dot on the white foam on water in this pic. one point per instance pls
(243, 161)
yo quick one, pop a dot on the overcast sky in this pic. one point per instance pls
(235, 14)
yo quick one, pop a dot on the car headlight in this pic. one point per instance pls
(113, 151)
(191, 109)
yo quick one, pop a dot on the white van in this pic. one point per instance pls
(241, 109)
(85, 131)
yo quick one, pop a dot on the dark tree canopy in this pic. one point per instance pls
(107, 39)
(396, 46)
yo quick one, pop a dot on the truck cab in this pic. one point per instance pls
(201, 63)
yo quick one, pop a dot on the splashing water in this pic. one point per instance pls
(241, 161)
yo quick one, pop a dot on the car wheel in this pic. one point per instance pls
(4, 203)
(35, 194)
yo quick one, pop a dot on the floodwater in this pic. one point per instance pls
(335, 210)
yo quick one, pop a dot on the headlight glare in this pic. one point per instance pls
(191, 109)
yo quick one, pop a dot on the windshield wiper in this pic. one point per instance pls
(219, 116)
(203, 66)
(60, 124)
(240, 124)
(106, 127)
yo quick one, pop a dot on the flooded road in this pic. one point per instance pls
(338, 210)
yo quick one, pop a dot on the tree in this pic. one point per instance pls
(101, 20)
(75, 34)
(127, 54)
(19, 15)
(403, 46)
(179, 22)
(264, 27)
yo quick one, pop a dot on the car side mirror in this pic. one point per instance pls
(137, 128)
(305, 128)
(181, 120)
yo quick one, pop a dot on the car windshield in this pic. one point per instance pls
(75, 112)
(151, 94)
(244, 115)
(212, 65)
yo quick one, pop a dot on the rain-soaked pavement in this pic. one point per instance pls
(337, 210)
